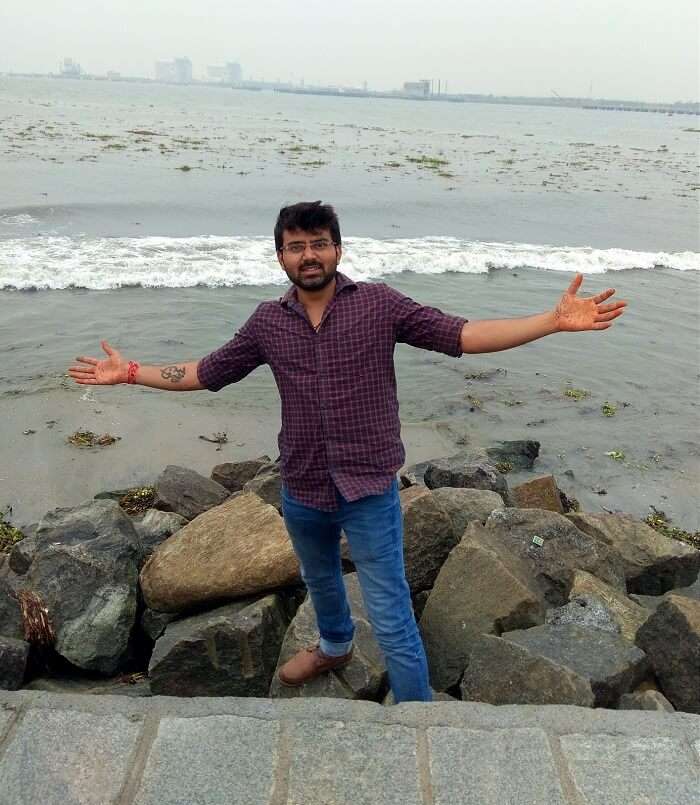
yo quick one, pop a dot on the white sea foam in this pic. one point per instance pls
(104, 263)
(21, 219)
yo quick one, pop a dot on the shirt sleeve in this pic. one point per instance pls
(425, 327)
(232, 361)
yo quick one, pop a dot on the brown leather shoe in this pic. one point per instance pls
(309, 663)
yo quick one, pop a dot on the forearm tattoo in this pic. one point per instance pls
(173, 373)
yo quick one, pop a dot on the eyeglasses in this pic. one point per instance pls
(316, 246)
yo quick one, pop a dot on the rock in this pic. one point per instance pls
(691, 591)
(234, 475)
(228, 651)
(419, 601)
(645, 700)
(22, 553)
(611, 665)
(438, 696)
(134, 686)
(364, 677)
(586, 611)
(86, 572)
(465, 505)
(520, 453)
(627, 614)
(671, 638)
(653, 563)
(428, 537)
(267, 484)
(186, 492)
(155, 527)
(479, 590)
(10, 612)
(648, 601)
(153, 623)
(539, 493)
(564, 549)
(462, 472)
(503, 672)
(236, 549)
(14, 655)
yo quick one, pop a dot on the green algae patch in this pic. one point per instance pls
(9, 535)
(577, 394)
(657, 520)
(138, 500)
(86, 438)
(608, 409)
(504, 467)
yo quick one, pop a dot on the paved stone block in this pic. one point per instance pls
(616, 770)
(67, 757)
(499, 767)
(5, 717)
(352, 764)
(214, 760)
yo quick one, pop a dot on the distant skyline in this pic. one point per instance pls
(614, 49)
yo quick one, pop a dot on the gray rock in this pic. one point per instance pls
(364, 677)
(10, 612)
(419, 601)
(564, 549)
(653, 562)
(22, 553)
(155, 527)
(480, 590)
(627, 614)
(465, 505)
(114, 686)
(153, 623)
(610, 663)
(671, 638)
(645, 700)
(86, 572)
(186, 492)
(267, 484)
(14, 655)
(503, 672)
(650, 602)
(461, 471)
(691, 591)
(584, 610)
(521, 453)
(228, 651)
(235, 475)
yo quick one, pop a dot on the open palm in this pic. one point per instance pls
(575, 313)
(104, 372)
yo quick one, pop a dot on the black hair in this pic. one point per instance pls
(308, 216)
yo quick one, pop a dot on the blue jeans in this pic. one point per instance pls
(373, 526)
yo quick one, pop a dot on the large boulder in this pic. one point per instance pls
(155, 527)
(10, 612)
(653, 562)
(86, 573)
(465, 505)
(519, 453)
(364, 677)
(652, 700)
(610, 663)
(237, 549)
(563, 549)
(186, 492)
(503, 672)
(671, 638)
(228, 651)
(480, 589)
(235, 474)
(628, 615)
(463, 471)
(538, 493)
(22, 553)
(267, 484)
(584, 610)
(428, 537)
(14, 655)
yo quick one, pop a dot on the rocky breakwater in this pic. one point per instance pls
(520, 598)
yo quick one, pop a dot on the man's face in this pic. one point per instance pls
(310, 259)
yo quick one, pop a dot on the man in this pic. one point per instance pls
(329, 342)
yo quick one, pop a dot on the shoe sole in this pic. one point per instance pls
(311, 679)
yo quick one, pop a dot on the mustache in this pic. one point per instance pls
(311, 265)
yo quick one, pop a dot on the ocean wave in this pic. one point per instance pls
(60, 263)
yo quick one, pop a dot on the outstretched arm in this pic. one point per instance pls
(115, 369)
(572, 314)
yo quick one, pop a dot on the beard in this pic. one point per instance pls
(313, 280)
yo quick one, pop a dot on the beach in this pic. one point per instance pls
(103, 241)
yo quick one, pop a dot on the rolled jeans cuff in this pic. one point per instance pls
(334, 649)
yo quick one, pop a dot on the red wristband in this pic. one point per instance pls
(131, 372)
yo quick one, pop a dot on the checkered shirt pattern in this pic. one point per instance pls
(340, 410)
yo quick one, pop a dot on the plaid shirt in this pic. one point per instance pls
(340, 412)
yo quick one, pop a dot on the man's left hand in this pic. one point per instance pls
(575, 313)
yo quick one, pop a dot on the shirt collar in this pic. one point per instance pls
(341, 282)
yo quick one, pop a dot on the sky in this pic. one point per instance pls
(631, 49)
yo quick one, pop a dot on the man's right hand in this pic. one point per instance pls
(107, 372)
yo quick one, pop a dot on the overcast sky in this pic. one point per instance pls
(636, 49)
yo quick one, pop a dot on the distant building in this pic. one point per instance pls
(70, 68)
(113, 75)
(419, 88)
(234, 73)
(177, 71)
